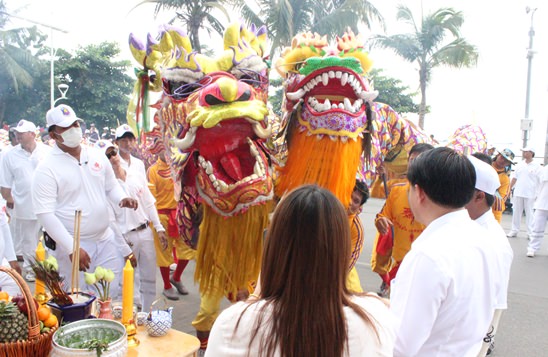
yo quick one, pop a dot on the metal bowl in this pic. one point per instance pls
(89, 329)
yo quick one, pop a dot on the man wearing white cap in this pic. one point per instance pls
(18, 167)
(74, 177)
(479, 209)
(524, 181)
(138, 225)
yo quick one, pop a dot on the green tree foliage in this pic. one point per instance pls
(99, 87)
(18, 50)
(393, 93)
(285, 19)
(194, 15)
(428, 45)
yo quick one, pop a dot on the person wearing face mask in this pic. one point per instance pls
(75, 177)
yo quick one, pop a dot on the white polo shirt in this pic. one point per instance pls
(526, 175)
(443, 296)
(18, 167)
(62, 185)
(136, 186)
(505, 255)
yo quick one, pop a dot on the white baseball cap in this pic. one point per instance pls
(62, 115)
(103, 145)
(25, 126)
(122, 130)
(487, 179)
(528, 148)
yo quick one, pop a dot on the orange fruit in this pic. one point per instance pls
(51, 321)
(4, 296)
(43, 313)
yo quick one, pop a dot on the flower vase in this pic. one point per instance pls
(105, 309)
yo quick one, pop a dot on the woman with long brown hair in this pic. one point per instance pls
(303, 307)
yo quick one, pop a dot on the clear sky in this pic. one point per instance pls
(492, 94)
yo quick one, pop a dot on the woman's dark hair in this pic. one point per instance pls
(446, 177)
(303, 277)
(362, 188)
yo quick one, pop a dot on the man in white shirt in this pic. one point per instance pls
(541, 214)
(138, 232)
(74, 177)
(524, 181)
(18, 167)
(7, 252)
(443, 296)
(479, 209)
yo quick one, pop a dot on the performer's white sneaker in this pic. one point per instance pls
(512, 234)
(530, 253)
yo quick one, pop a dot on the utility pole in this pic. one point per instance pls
(526, 123)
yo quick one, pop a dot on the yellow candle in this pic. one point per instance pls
(127, 293)
(40, 252)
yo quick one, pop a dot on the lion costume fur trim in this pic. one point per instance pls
(230, 250)
(328, 163)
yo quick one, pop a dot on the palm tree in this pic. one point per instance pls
(427, 45)
(285, 19)
(195, 15)
(12, 55)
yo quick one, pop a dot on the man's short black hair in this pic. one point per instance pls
(420, 148)
(483, 157)
(362, 188)
(127, 135)
(489, 199)
(447, 178)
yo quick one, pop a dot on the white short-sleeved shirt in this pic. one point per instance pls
(62, 185)
(362, 340)
(526, 175)
(542, 199)
(136, 186)
(505, 255)
(18, 167)
(444, 294)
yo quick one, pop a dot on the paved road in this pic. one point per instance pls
(523, 331)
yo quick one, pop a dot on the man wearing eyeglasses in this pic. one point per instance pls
(74, 177)
(139, 223)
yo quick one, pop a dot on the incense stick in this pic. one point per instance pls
(76, 254)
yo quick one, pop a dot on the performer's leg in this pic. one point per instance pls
(209, 310)
(353, 281)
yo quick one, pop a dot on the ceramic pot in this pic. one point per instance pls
(105, 309)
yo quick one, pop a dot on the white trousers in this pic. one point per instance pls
(101, 254)
(27, 233)
(539, 224)
(6, 282)
(520, 204)
(16, 242)
(142, 246)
